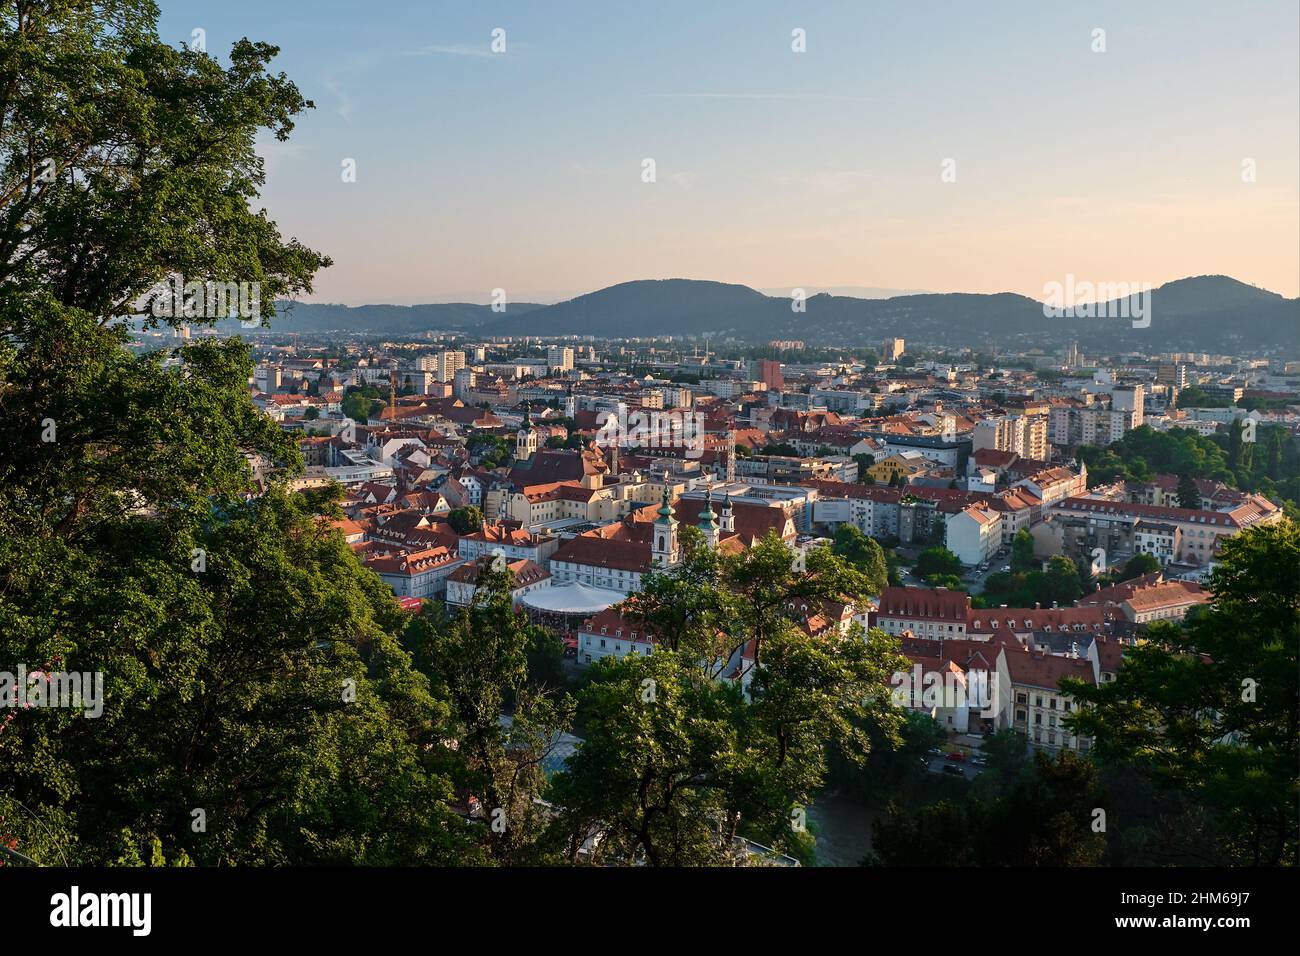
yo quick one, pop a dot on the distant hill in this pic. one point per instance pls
(1203, 313)
(849, 291)
(646, 307)
(389, 319)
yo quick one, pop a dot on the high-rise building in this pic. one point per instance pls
(445, 364)
(1025, 435)
(267, 378)
(559, 358)
(769, 372)
(1127, 400)
(1096, 424)
(892, 350)
(1175, 375)
(464, 383)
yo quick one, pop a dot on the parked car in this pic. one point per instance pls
(953, 771)
(956, 755)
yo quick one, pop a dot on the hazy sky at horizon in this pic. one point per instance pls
(523, 170)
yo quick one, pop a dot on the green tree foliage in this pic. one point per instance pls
(1212, 708)
(250, 665)
(465, 520)
(1044, 819)
(1193, 397)
(865, 554)
(362, 403)
(1139, 565)
(679, 759)
(1008, 754)
(1022, 552)
(937, 560)
(1270, 465)
(490, 451)
(154, 172)
(1060, 583)
(1177, 451)
(505, 724)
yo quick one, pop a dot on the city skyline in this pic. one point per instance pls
(835, 166)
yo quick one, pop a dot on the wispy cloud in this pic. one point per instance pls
(345, 105)
(764, 96)
(454, 49)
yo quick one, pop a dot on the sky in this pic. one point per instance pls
(947, 146)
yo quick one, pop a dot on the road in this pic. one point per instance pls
(968, 770)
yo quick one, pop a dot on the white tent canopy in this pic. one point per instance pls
(572, 597)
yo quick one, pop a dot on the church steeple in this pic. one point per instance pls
(664, 552)
(728, 515)
(708, 520)
(527, 439)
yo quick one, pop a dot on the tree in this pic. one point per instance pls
(937, 560)
(1022, 552)
(1211, 708)
(152, 170)
(1044, 819)
(864, 461)
(361, 404)
(1189, 496)
(647, 781)
(490, 451)
(1061, 585)
(743, 710)
(1008, 754)
(863, 553)
(1139, 565)
(505, 725)
(467, 520)
(250, 664)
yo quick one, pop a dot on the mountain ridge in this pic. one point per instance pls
(1195, 313)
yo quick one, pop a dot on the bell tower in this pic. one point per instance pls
(708, 520)
(728, 515)
(664, 553)
(526, 439)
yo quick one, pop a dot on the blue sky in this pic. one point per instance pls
(522, 170)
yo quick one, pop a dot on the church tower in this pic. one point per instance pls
(526, 439)
(664, 553)
(708, 520)
(728, 515)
